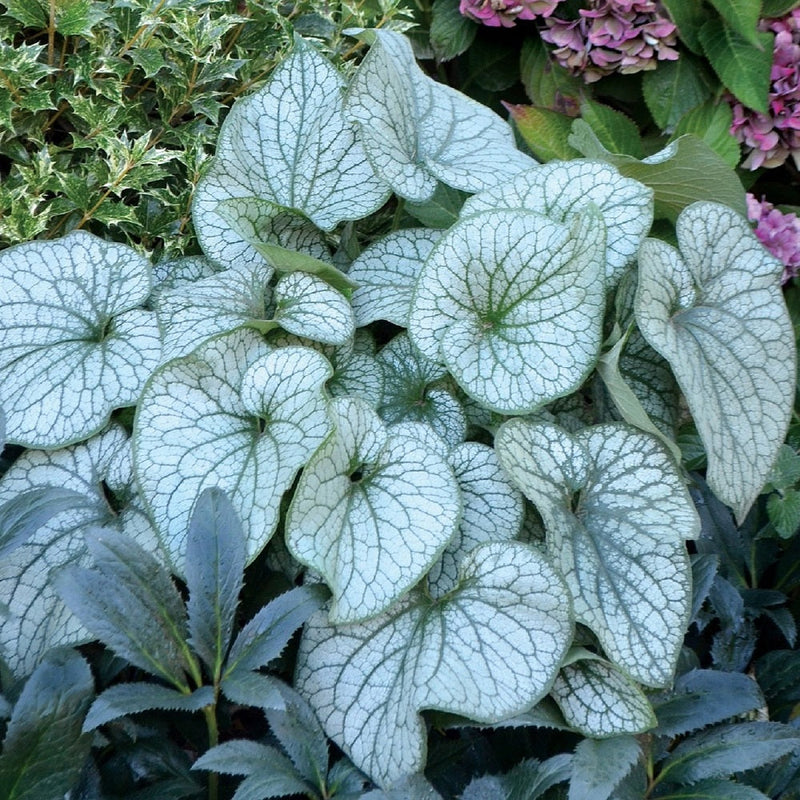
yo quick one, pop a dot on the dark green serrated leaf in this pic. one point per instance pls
(777, 673)
(742, 16)
(743, 67)
(133, 698)
(689, 17)
(599, 765)
(784, 512)
(777, 8)
(253, 689)
(544, 131)
(21, 517)
(617, 132)
(711, 121)
(265, 636)
(704, 697)
(215, 561)
(528, 780)
(722, 751)
(674, 88)
(713, 790)
(786, 470)
(412, 786)
(489, 66)
(547, 83)
(704, 570)
(44, 748)
(130, 603)
(451, 32)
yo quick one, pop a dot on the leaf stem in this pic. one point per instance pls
(210, 713)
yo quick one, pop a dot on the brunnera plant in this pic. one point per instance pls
(404, 475)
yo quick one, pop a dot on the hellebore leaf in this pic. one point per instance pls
(74, 341)
(616, 513)
(488, 650)
(715, 311)
(372, 511)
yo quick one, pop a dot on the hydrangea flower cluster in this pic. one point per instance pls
(497, 13)
(778, 232)
(774, 136)
(613, 36)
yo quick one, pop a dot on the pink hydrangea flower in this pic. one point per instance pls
(778, 232)
(773, 137)
(613, 36)
(497, 13)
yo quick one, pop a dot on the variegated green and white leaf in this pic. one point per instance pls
(169, 274)
(415, 130)
(561, 189)
(487, 651)
(410, 392)
(371, 512)
(288, 145)
(307, 306)
(236, 414)
(192, 313)
(715, 311)
(493, 509)
(616, 513)
(600, 701)
(74, 341)
(386, 273)
(36, 618)
(512, 302)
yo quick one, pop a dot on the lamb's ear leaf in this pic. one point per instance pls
(371, 512)
(290, 145)
(133, 698)
(129, 602)
(715, 311)
(215, 560)
(44, 749)
(386, 273)
(600, 701)
(65, 367)
(489, 650)
(309, 306)
(266, 635)
(34, 607)
(237, 396)
(563, 188)
(599, 765)
(410, 393)
(493, 509)
(727, 749)
(513, 303)
(416, 130)
(616, 513)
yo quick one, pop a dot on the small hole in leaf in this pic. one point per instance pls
(356, 476)
(261, 425)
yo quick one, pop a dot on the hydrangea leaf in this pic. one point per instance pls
(600, 701)
(235, 414)
(290, 145)
(74, 342)
(563, 188)
(487, 651)
(192, 313)
(36, 618)
(715, 311)
(416, 130)
(307, 305)
(616, 513)
(371, 512)
(409, 393)
(493, 509)
(513, 302)
(386, 273)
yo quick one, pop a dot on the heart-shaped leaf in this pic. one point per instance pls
(37, 619)
(372, 511)
(386, 273)
(600, 701)
(410, 392)
(715, 311)
(512, 302)
(74, 342)
(616, 513)
(487, 651)
(290, 145)
(235, 414)
(415, 130)
(562, 188)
